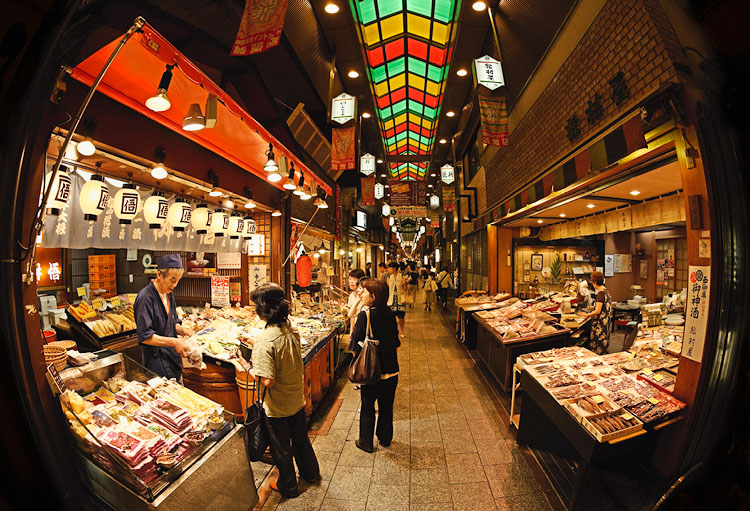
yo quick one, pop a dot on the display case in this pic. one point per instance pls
(203, 447)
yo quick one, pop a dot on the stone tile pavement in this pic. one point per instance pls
(452, 447)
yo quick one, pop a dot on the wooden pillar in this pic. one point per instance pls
(493, 260)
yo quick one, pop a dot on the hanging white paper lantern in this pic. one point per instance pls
(201, 219)
(236, 227)
(434, 201)
(94, 198)
(250, 228)
(219, 223)
(60, 193)
(155, 210)
(179, 215)
(386, 210)
(127, 200)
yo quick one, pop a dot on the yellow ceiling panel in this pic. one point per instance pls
(439, 33)
(381, 89)
(392, 26)
(388, 125)
(400, 119)
(397, 82)
(416, 82)
(432, 88)
(418, 25)
(371, 34)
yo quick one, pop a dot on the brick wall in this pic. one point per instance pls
(632, 36)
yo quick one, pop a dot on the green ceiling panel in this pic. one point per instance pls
(418, 67)
(396, 67)
(378, 74)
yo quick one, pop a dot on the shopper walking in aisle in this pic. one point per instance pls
(278, 366)
(383, 272)
(378, 323)
(413, 282)
(443, 281)
(357, 305)
(396, 290)
(368, 269)
(601, 324)
(429, 286)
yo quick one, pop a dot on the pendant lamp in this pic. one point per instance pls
(94, 197)
(126, 203)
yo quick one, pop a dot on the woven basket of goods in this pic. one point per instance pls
(67, 345)
(56, 355)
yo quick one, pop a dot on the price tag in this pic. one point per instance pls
(658, 377)
(132, 297)
(81, 291)
(626, 416)
(97, 304)
(114, 301)
(653, 400)
(598, 399)
(647, 371)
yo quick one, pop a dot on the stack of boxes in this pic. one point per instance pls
(102, 275)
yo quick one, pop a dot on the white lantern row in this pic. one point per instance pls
(127, 200)
(58, 196)
(94, 198)
(155, 210)
(179, 215)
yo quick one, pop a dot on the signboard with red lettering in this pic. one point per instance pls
(696, 312)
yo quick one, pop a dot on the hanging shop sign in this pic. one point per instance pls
(494, 117)
(449, 199)
(68, 230)
(489, 72)
(434, 201)
(447, 174)
(407, 193)
(409, 211)
(260, 28)
(342, 149)
(367, 164)
(697, 312)
(379, 190)
(49, 266)
(344, 108)
(367, 186)
(219, 291)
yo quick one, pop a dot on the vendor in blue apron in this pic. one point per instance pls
(159, 328)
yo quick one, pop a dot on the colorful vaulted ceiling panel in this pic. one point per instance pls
(408, 47)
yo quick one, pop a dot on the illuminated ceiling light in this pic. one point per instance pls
(194, 119)
(158, 171)
(316, 255)
(213, 178)
(380, 160)
(342, 252)
(289, 184)
(590, 206)
(274, 176)
(248, 193)
(429, 186)
(299, 191)
(635, 192)
(443, 141)
(388, 186)
(462, 72)
(320, 201)
(276, 212)
(270, 164)
(86, 146)
(450, 113)
(306, 195)
(563, 215)
(331, 8)
(383, 175)
(433, 174)
(540, 221)
(366, 115)
(159, 102)
(353, 74)
(228, 203)
(479, 6)
(359, 249)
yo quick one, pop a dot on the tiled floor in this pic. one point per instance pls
(452, 448)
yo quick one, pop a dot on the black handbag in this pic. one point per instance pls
(256, 425)
(365, 368)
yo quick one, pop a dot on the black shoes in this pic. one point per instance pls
(363, 448)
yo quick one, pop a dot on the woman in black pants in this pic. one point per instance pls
(277, 363)
(384, 330)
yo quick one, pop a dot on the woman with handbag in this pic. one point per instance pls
(377, 322)
(397, 296)
(278, 366)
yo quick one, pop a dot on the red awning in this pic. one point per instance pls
(134, 77)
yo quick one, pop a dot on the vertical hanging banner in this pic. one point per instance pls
(342, 148)
(696, 317)
(449, 199)
(367, 164)
(260, 28)
(343, 108)
(368, 191)
(494, 121)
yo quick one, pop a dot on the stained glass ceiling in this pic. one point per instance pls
(408, 48)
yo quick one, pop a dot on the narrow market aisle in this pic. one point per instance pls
(452, 448)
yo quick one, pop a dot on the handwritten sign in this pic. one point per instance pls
(132, 297)
(256, 275)
(81, 291)
(696, 317)
(55, 380)
(219, 291)
(114, 301)
(97, 304)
